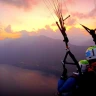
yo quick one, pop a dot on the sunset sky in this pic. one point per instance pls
(33, 17)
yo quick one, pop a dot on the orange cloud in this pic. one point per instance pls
(4, 35)
(74, 34)
(8, 33)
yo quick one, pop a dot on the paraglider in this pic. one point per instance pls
(81, 79)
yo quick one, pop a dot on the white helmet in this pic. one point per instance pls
(83, 65)
(91, 53)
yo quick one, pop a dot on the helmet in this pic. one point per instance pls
(91, 53)
(83, 65)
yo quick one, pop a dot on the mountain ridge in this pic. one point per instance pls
(38, 53)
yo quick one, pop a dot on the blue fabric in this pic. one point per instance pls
(68, 85)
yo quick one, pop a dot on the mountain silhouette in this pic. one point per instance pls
(38, 53)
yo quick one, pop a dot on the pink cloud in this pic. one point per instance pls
(70, 22)
(70, 1)
(26, 4)
(8, 29)
(79, 15)
(71, 4)
(91, 14)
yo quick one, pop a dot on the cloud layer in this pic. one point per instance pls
(26, 4)
(74, 34)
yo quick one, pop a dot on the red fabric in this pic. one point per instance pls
(93, 65)
(90, 69)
